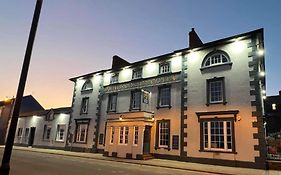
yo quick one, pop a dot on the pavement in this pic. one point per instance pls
(196, 167)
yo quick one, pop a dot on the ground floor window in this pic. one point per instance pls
(163, 134)
(136, 135)
(218, 135)
(47, 132)
(19, 132)
(60, 133)
(112, 135)
(123, 136)
(82, 126)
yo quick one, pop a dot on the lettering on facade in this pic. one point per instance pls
(142, 83)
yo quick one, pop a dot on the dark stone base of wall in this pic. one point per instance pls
(129, 156)
(274, 165)
(48, 147)
(78, 149)
(221, 162)
(106, 153)
(21, 144)
(114, 154)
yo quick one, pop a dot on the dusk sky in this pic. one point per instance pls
(76, 37)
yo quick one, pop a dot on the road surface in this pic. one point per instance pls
(33, 163)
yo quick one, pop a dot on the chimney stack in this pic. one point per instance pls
(194, 40)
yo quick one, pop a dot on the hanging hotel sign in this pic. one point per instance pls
(143, 83)
(145, 95)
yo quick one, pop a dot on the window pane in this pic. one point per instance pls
(165, 96)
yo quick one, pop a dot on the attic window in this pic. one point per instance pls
(87, 86)
(216, 58)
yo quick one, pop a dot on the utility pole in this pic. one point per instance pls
(5, 166)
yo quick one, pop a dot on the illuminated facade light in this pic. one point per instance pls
(262, 74)
(260, 52)
(264, 97)
(273, 106)
(238, 46)
(263, 92)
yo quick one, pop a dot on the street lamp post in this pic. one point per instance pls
(5, 167)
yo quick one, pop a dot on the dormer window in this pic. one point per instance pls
(114, 78)
(87, 86)
(215, 58)
(137, 73)
(164, 68)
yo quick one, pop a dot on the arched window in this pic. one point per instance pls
(87, 85)
(214, 58)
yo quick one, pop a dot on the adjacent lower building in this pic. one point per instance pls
(29, 104)
(43, 129)
(200, 104)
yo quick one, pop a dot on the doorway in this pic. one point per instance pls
(31, 136)
(146, 140)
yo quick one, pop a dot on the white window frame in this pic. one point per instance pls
(80, 127)
(20, 131)
(87, 86)
(217, 58)
(47, 132)
(136, 135)
(162, 96)
(137, 73)
(209, 142)
(114, 78)
(136, 101)
(211, 92)
(112, 102)
(163, 126)
(85, 105)
(112, 135)
(123, 135)
(164, 68)
(59, 133)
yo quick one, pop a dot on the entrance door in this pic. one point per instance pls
(146, 140)
(31, 136)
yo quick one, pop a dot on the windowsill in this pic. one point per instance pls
(135, 79)
(158, 107)
(59, 141)
(111, 112)
(163, 147)
(135, 109)
(166, 73)
(123, 144)
(217, 65)
(80, 142)
(215, 103)
(84, 113)
(86, 91)
(218, 151)
(113, 83)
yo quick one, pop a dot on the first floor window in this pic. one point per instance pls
(112, 102)
(84, 105)
(81, 132)
(112, 135)
(164, 96)
(123, 136)
(114, 78)
(215, 90)
(60, 133)
(19, 132)
(47, 132)
(136, 135)
(164, 133)
(136, 100)
(217, 135)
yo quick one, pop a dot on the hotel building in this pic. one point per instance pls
(200, 104)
